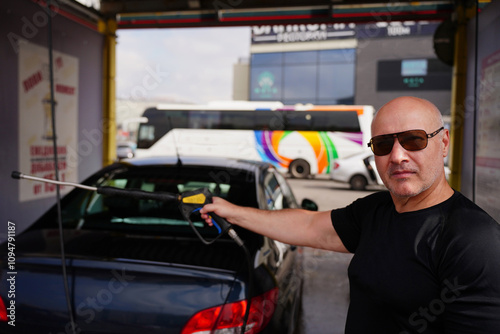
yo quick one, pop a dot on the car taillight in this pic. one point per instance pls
(3, 311)
(228, 319)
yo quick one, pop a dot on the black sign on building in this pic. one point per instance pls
(413, 74)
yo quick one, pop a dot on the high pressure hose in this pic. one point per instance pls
(56, 170)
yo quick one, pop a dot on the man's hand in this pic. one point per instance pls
(222, 208)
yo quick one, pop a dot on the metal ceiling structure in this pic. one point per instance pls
(198, 13)
(134, 14)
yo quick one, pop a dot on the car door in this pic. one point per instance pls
(288, 269)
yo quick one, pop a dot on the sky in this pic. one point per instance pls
(193, 65)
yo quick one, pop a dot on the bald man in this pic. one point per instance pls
(426, 259)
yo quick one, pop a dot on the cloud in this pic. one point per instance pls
(196, 64)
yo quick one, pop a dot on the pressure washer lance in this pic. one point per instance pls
(189, 201)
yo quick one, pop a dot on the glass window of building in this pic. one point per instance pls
(319, 77)
(275, 58)
(340, 56)
(336, 83)
(302, 57)
(300, 84)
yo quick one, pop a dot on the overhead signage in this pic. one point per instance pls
(293, 33)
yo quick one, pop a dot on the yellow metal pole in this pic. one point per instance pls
(108, 28)
(458, 97)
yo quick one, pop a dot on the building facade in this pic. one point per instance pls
(345, 64)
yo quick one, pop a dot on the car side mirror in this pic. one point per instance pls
(309, 205)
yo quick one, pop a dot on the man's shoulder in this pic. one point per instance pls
(370, 205)
(462, 208)
(467, 219)
(469, 244)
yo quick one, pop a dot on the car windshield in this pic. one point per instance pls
(82, 209)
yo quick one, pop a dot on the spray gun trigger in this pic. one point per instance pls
(213, 221)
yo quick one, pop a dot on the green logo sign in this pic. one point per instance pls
(266, 88)
(413, 82)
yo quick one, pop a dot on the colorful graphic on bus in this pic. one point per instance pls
(268, 143)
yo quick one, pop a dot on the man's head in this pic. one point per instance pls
(412, 171)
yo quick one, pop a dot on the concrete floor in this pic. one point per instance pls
(326, 287)
(326, 292)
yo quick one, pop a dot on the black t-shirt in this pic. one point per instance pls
(435, 270)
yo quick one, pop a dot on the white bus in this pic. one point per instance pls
(302, 140)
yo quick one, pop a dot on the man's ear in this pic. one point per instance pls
(446, 142)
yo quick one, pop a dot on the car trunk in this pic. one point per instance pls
(120, 283)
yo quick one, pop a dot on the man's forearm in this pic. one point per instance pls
(292, 226)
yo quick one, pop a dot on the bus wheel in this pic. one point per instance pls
(299, 169)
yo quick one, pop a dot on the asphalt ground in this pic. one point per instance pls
(326, 287)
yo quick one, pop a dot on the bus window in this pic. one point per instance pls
(344, 121)
(299, 121)
(149, 134)
(176, 119)
(236, 120)
(204, 119)
(268, 120)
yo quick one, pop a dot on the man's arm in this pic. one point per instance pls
(292, 226)
(469, 272)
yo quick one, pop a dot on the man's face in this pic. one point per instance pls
(410, 173)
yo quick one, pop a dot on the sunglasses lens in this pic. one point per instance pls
(413, 140)
(382, 145)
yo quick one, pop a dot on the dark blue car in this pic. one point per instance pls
(136, 265)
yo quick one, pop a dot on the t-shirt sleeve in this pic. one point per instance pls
(348, 222)
(469, 270)
(345, 225)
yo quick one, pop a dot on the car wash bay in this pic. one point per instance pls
(324, 271)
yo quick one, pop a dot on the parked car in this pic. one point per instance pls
(125, 150)
(135, 265)
(358, 170)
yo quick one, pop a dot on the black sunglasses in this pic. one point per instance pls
(411, 140)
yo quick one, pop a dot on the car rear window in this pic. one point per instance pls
(82, 209)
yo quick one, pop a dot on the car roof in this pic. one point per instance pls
(241, 164)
